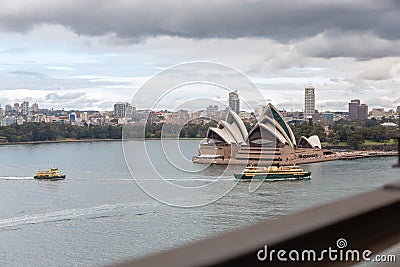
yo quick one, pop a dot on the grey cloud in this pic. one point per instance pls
(39, 81)
(67, 100)
(4, 101)
(385, 102)
(288, 59)
(380, 70)
(283, 20)
(295, 104)
(358, 87)
(29, 74)
(15, 50)
(335, 105)
(332, 44)
(67, 96)
(72, 100)
(104, 105)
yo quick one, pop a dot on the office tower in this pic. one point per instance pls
(35, 107)
(309, 108)
(357, 111)
(119, 110)
(353, 109)
(16, 106)
(123, 109)
(234, 102)
(363, 112)
(25, 108)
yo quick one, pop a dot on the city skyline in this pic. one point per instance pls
(232, 102)
(49, 58)
(124, 113)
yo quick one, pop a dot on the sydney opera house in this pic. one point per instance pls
(270, 141)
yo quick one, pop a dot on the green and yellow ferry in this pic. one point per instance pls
(273, 173)
(52, 174)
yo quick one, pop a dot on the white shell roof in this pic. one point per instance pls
(231, 130)
(233, 119)
(221, 133)
(270, 128)
(273, 113)
(267, 120)
(313, 141)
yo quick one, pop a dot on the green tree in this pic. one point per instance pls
(355, 140)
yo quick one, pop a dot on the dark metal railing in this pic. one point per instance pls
(398, 149)
(366, 221)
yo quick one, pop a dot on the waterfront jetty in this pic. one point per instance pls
(347, 155)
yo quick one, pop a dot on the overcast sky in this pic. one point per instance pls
(90, 54)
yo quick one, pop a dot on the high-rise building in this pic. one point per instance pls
(123, 109)
(25, 108)
(353, 109)
(234, 102)
(363, 112)
(398, 110)
(35, 107)
(119, 110)
(8, 108)
(309, 102)
(16, 106)
(357, 111)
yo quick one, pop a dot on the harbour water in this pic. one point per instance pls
(99, 215)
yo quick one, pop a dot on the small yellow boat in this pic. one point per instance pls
(273, 173)
(52, 174)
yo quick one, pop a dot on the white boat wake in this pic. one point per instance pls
(16, 178)
(64, 215)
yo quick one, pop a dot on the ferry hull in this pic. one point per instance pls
(274, 176)
(61, 177)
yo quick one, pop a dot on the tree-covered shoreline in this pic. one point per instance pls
(34, 132)
(350, 134)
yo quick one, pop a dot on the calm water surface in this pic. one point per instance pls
(99, 215)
